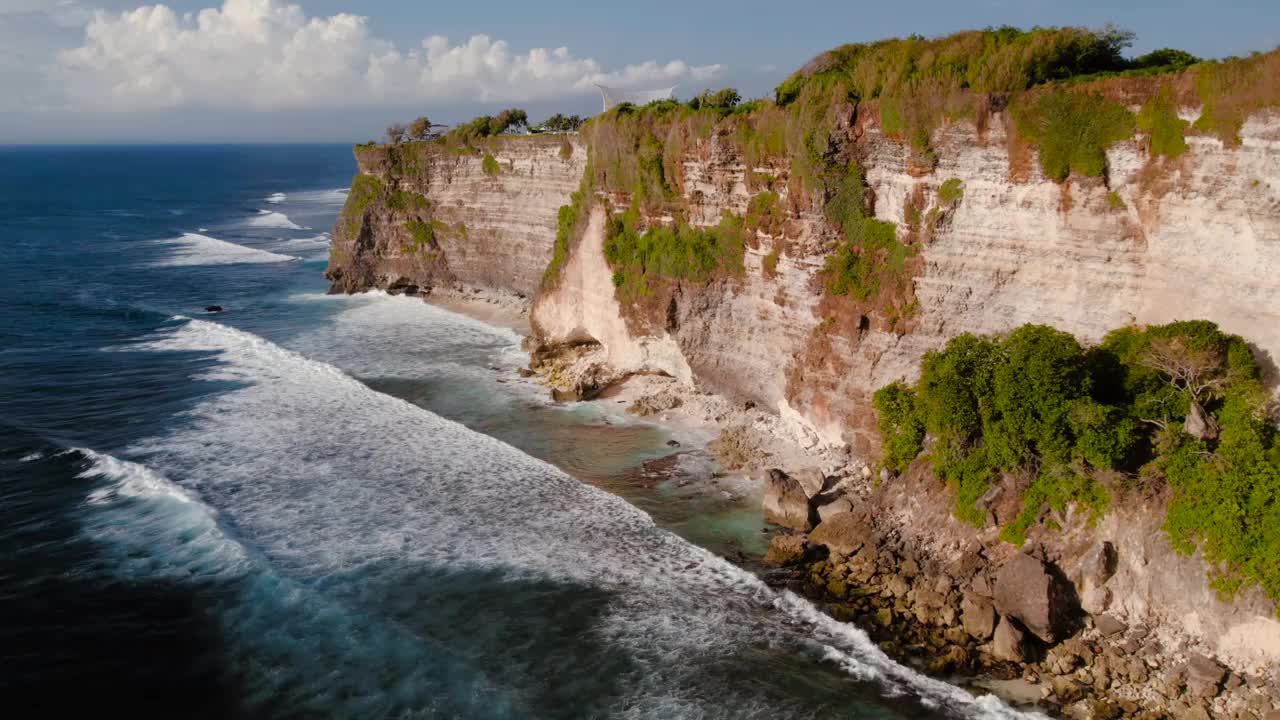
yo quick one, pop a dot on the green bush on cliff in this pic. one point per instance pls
(1159, 120)
(670, 252)
(901, 429)
(1080, 421)
(870, 252)
(365, 189)
(569, 221)
(1073, 130)
(490, 165)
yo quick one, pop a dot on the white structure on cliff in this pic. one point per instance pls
(614, 96)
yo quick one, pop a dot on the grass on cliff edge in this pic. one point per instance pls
(1083, 425)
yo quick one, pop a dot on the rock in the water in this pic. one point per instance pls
(978, 615)
(843, 533)
(673, 443)
(1204, 676)
(1025, 590)
(213, 308)
(785, 502)
(526, 372)
(1008, 642)
(1108, 625)
(839, 505)
(1200, 424)
(811, 479)
(785, 549)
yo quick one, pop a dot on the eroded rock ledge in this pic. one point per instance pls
(1058, 618)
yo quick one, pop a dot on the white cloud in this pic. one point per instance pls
(268, 55)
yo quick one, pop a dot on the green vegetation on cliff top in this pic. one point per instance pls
(1178, 405)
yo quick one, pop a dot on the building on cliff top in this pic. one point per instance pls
(614, 96)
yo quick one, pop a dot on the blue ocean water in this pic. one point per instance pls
(319, 506)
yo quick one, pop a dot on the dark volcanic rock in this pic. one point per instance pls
(1026, 590)
(785, 502)
(213, 308)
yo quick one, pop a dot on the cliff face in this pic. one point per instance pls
(1195, 238)
(431, 218)
(1158, 240)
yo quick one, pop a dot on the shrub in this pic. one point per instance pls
(901, 431)
(669, 252)
(1159, 120)
(570, 220)
(420, 128)
(1034, 403)
(951, 192)
(1072, 131)
(490, 165)
(1056, 487)
(365, 189)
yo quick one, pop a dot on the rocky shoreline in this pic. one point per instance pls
(979, 613)
(1015, 628)
(1007, 621)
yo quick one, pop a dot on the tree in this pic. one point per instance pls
(1197, 371)
(420, 128)
(395, 134)
(511, 118)
(723, 100)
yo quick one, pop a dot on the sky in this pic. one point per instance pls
(120, 71)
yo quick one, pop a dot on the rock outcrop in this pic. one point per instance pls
(435, 219)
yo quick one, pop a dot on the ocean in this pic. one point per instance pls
(312, 506)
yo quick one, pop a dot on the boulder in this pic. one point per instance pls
(213, 308)
(1204, 676)
(1096, 600)
(785, 502)
(811, 480)
(1099, 565)
(1200, 424)
(785, 549)
(978, 616)
(1108, 625)
(1026, 591)
(1008, 643)
(835, 507)
(843, 533)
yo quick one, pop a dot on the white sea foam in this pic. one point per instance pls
(274, 220)
(197, 249)
(277, 198)
(31, 457)
(350, 490)
(336, 196)
(307, 243)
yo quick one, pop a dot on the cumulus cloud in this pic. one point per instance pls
(269, 55)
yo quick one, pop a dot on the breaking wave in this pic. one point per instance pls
(197, 249)
(274, 220)
(367, 513)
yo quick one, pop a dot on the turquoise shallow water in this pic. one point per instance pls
(315, 506)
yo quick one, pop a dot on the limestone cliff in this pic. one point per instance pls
(989, 241)
(1085, 257)
(422, 216)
